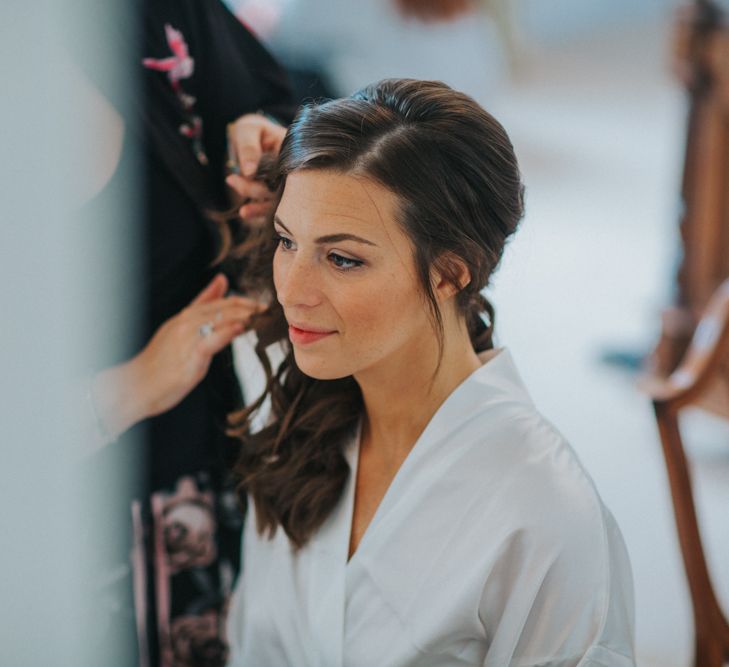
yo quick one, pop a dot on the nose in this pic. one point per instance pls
(296, 281)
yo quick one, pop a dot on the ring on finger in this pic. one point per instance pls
(205, 329)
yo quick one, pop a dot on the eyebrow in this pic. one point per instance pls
(330, 238)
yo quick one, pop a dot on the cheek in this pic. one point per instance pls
(382, 314)
(278, 270)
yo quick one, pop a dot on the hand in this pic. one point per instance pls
(178, 356)
(174, 361)
(249, 138)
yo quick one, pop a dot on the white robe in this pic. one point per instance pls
(491, 547)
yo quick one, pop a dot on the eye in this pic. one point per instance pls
(285, 243)
(344, 263)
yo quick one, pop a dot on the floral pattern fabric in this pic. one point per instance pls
(179, 563)
(170, 533)
(180, 65)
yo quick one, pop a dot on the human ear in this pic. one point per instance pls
(449, 275)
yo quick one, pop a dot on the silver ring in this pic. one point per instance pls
(206, 329)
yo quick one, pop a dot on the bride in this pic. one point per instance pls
(409, 505)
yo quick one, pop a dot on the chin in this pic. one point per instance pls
(319, 369)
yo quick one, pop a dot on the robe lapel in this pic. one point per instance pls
(328, 570)
(495, 388)
(499, 381)
(332, 577)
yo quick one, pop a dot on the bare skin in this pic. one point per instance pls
(365, 295)
(173, 362)
(393, 427)
(250, 137)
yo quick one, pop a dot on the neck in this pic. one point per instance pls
(401, 395)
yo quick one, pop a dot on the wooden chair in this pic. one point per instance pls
(701, 379)
(701, 63)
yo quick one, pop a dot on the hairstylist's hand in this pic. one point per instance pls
(249, 138)
(178, 356)
(173, 362)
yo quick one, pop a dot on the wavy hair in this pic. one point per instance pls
(453, 169)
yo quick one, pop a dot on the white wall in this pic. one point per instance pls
(555, 20)
(45, 332)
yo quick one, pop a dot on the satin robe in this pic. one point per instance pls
(491, 547)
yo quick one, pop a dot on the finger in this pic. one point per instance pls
(246, 139)
(239, 314)
(255, 222)
(221, 337)
(255, 209)
(248, 188)
(242, 317)
(215, 289)
(238, 184)
(272, 138)
(205, 323)
(234, 302)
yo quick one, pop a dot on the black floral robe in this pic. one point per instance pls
(168, 577)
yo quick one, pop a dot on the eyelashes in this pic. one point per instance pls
(339, 262)
(344, 263)
(282, 241)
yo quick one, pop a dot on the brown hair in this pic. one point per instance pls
(454, 171)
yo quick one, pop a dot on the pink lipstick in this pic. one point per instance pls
(301, 336)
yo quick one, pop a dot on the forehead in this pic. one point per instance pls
(322, 202)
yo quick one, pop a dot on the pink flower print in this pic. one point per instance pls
(189, 527)
(196, 641)
(192, 130)
(187, 101)
(178, 66)
(181, 66)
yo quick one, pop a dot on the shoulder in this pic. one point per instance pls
(517, 462)
(544, 491)
(562, 558)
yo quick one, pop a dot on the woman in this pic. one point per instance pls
(410, 505)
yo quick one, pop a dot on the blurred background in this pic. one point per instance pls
(586, 92)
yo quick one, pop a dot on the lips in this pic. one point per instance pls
(306, 334)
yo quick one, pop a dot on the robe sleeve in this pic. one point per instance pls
(237, 75)
(238, 69)
(561, 597)
(233, 74)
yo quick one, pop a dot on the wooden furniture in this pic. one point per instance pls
(690, 365)
(702, 379)
(701, 59)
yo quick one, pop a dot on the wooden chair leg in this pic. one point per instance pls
(710, 624)
(708, 654)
